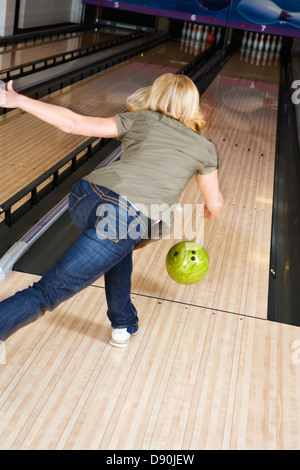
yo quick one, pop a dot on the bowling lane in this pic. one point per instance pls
(22, 53)
(30, 146)
(241, 109)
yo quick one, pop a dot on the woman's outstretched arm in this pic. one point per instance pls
(58, 116)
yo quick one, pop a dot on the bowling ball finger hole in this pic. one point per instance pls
(187, 264)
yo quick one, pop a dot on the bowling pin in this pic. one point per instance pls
(244, 40)
(255, 43)
(213, 33)
(205, 33)
(279, 45)
(273, 45)
(199, 33)
(193, 35)
(219, 34)
(249, 43)
(183, 33)
(186, 44)
(267, 45)
(189, 31)
(265, 56)
(261, 12)
(267, 12)
(292, 17)
(261, 43)
(253, 53)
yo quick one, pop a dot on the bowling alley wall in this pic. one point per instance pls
(37, 13)
(52, 12)
(279, 17)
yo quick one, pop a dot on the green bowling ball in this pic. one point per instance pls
(187, 262)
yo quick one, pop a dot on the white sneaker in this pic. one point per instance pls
(120, 336)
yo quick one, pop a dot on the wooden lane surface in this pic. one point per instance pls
(29, 146)
(17, 54)
(192, 379)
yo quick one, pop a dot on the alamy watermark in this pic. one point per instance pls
(156, 221)
(296, 94)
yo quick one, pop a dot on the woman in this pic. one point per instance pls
(162, 148)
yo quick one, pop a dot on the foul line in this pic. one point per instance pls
(178, 302)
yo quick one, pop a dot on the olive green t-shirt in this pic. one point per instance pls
(159, 157)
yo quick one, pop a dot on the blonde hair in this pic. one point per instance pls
(175, 96)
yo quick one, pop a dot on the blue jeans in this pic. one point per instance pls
(110, 228)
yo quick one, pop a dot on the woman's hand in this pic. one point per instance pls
(9, 98)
